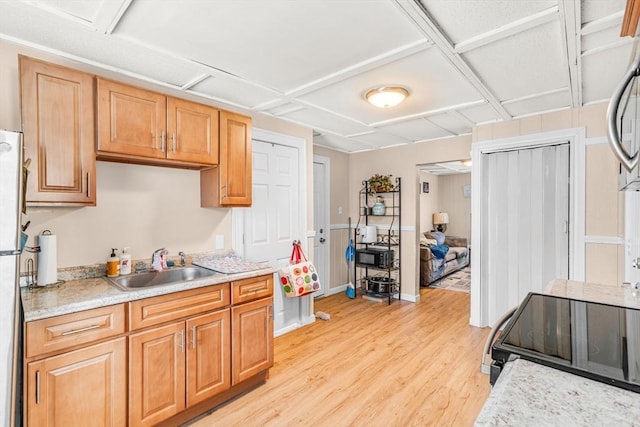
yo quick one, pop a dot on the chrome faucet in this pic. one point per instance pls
(158, 263)
(183, 259)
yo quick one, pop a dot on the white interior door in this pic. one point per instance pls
(321, 243)
(524, 236)
(273, 221)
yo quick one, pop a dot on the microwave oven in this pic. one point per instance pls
(374, 257)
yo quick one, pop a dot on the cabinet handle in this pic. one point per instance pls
(88, 184)
(181, 343)
(37, 387)
(173, 142)
(193, 337)
(224, 193)
(270, 311)
(77, 331)
(163, 141)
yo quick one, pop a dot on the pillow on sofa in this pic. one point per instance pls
(428, 242)
(436, 235)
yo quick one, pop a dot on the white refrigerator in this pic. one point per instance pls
(11, 196)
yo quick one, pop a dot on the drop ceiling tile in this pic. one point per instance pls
(593, 10)
(340, 143)
(284, 108)
(379, 139)
(480, 114)
(540, 104)
(526, 63)
(602, 38)
(280, 44)
(463, 19)
(603, 71)
(319, 119)
(85, 10)
(233, 90)
(416, 130)
(451, 123)
(432, 81)
(55, 32)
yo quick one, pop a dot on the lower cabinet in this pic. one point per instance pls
(175, 366)
(79, 388)
(252, 342)
(159, 359)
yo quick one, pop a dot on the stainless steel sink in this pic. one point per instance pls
(160, 278)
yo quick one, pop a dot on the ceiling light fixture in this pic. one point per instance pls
(386, 96)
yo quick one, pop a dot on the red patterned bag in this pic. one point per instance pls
(300, 276)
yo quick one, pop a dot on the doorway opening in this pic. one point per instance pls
(444, 225)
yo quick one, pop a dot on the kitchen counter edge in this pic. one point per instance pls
(85, 294)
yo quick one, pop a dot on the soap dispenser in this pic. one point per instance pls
(113, 264)
(125, 262)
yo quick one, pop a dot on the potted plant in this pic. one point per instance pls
(380, 183)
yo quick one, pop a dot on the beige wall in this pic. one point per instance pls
(143, 207)
(428, 201)
(452, 201)
(338, 223)
(402, 162)
(604, 204)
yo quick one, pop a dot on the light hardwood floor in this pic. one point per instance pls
(371, 365)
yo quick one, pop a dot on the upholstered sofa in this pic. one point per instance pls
(433, 268)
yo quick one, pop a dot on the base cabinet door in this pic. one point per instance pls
(156, 374)
(208, 356)
(86, 387)
(252, 338)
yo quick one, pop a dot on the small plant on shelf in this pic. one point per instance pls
(380, 183)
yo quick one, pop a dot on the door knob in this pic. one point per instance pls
(322, 239)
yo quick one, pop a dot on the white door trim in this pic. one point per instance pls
(237, 217)
(576, 138)
(326, 161)
(237, 221)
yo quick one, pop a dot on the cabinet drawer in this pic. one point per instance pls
(156, 310)
(70, 330)
(251, 289)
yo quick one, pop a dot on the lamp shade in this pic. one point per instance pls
(440, 218)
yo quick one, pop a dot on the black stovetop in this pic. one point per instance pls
(597, 341)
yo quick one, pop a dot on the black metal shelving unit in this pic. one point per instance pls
(375, 281)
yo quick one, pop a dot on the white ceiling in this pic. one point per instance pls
(464, 62)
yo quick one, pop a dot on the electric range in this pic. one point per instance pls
(594, 340)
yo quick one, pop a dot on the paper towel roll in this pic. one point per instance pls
(47, 259)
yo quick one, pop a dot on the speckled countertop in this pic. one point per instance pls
(83, 294)
(530, 394)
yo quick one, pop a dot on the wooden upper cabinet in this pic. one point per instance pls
(142, 126)
(59, 134)
(230, 183)
(131, 121)
(192, 132)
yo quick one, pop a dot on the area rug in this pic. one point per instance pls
(459, 281)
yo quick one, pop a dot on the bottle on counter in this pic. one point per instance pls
(113, 264)
(125, 262)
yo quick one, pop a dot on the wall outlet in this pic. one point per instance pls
(219, 241)
(339, 210)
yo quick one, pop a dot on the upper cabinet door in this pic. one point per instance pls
(59, 134)
(192, 132)
(131, 121)
(230, 183)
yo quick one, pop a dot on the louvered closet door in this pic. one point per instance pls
(525, 229)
